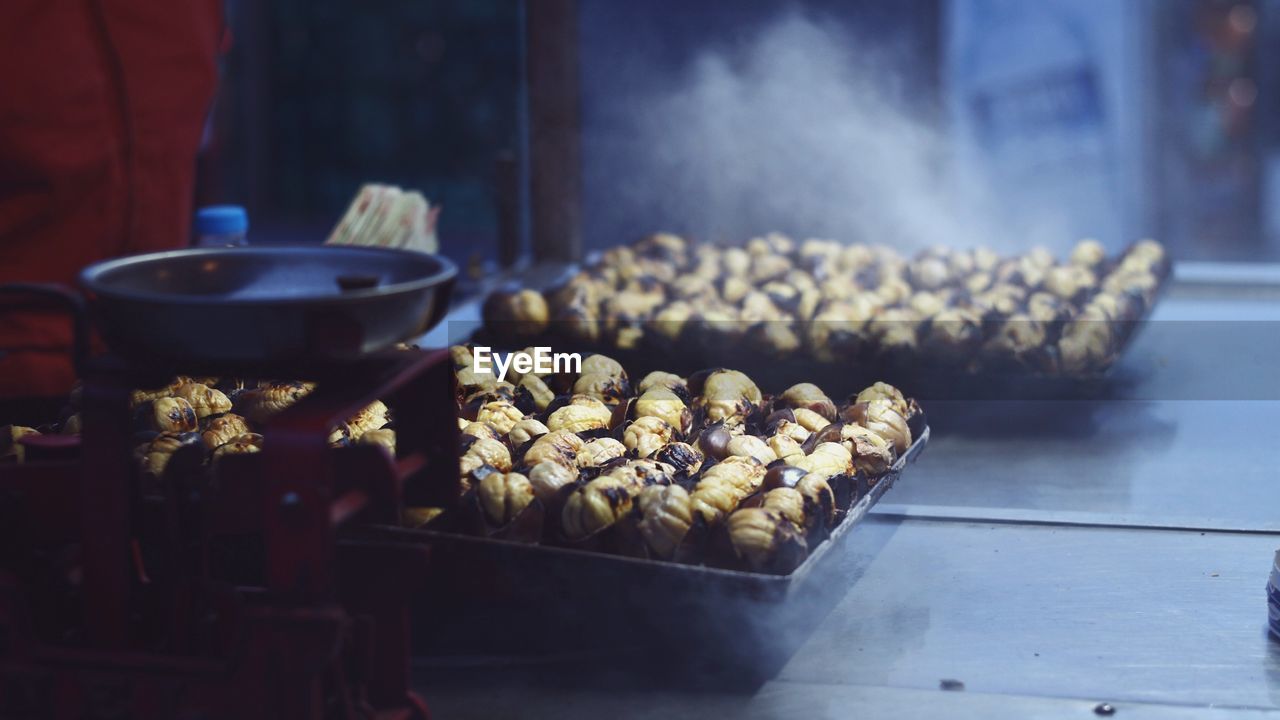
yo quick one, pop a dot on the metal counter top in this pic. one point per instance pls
(1050, 556)
(1186, 435)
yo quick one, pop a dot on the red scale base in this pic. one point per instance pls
(245, 593)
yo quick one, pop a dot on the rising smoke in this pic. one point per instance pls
(799, 129)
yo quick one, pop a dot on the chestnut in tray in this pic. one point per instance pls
(209, 418)
(832, 302)
(705, 469)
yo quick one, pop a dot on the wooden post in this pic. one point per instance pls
(555, 158)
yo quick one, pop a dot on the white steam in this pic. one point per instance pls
(798, 130)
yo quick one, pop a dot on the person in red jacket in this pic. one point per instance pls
(102, 106)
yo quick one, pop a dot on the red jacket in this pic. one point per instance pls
(102, 105)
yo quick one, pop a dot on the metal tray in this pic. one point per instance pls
(492, 601)
(926, 380)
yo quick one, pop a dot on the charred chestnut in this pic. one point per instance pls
(170, 414)
(558, 446)
(765, 542)
(609, 389)
(683, 457)
(595, 506)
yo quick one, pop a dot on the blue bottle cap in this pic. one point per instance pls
(221, 220)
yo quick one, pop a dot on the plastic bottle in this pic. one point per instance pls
(221, 226)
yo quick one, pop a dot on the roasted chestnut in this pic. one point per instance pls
(600, 451)
(170, 414)
(484, 451)
(683, 457)
(532, 394)
(550, 479)
(784, 446)
(609, 389)
(581, 414)
(729, 393)
(1070, 282)
(953, 335)
(384, 438)
(642, 473)
(647, 435)
(810, 420)
(479, 429)
(662, 403)
(714, 498)
(752, 447)
(261, 403)
(558, 446)
(714, 441)
(807, 396)
(526, 430)
(203, 399)
(828, 460)
(223, 429)
(503, 496)
(881, 417)
(1086, 344)
(766, 542)
(885, 391)
(819, 499)
(1088, 253)
(930, 273)
(461, 357)
(666, 516)
(371, 417)
(872, 454)
(791, 430)
(10, 448)
(595, 506)
(782, 475)
(744, 473)
(602, 365)
(522, 313)
(244, 444)
(501, 415)
(1018, 340)
(789, 503)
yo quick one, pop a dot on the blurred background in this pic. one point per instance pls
(999, 122)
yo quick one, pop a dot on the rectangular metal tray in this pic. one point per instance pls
(495, 601)
(925, 381)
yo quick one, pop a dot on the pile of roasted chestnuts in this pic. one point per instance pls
(218, 416)
(832, 302)
(700, 469)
